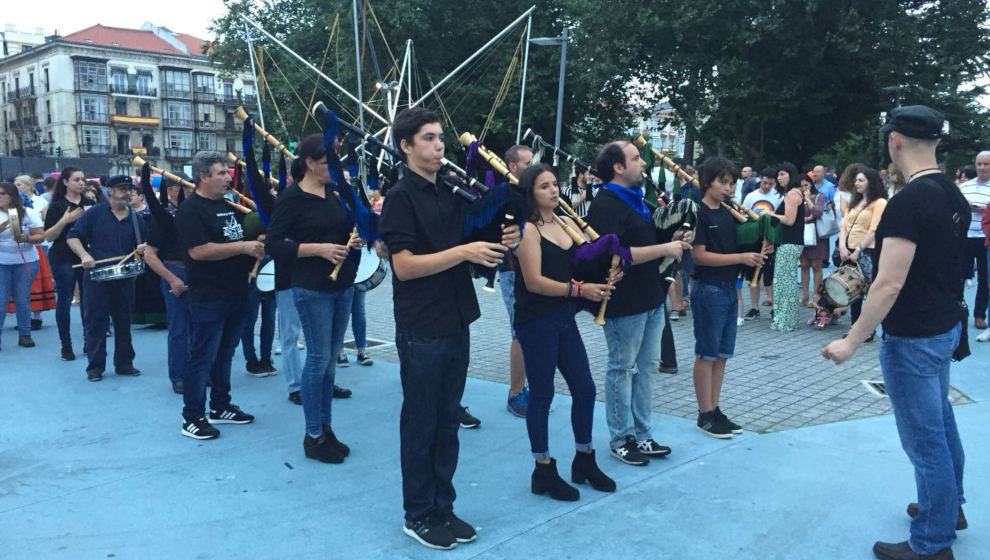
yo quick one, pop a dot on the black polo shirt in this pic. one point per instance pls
(641, 288)
(301, 217)
(420, 218)
(203, 220)
(104, 235)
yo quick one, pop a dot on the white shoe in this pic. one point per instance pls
(675, 315)
(276, 349)
(740, 321)
(984, 336)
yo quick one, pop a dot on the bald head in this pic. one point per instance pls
(983, 166)
(818, 174)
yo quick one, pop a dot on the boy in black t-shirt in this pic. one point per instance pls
(713, 297)
(917, 292)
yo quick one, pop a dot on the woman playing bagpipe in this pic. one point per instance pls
(546, 296)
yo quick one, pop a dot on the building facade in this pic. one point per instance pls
(115, 93)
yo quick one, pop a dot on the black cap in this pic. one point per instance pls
(121, 181)
(915, 121)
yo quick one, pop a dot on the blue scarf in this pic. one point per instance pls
(632, 197)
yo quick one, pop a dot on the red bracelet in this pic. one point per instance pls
(578, 284)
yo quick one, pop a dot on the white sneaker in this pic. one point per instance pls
(740, 321)
(984, 336)
(675, 315)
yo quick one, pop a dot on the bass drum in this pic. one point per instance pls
(266, 277)
(370, 273)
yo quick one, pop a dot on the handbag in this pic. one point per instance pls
(810, 239)
(828, 223)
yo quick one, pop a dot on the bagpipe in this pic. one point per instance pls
(588, 248)
(752, 229)
(139, 162)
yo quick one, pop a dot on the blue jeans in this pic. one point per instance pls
(15, 280)
(214, 329)
(105, 301)
(432, 371)
(177, 317)
(715, 309)
(324, 321)
(288, 335)
(66, 279)
(359, 320)
(633, 357)
(549, 343)
(267, 303)
(687, 269)
(916, 374)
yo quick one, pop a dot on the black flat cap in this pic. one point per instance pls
(915, 121)
(121, 181)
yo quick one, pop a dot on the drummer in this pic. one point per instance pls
(110, 229)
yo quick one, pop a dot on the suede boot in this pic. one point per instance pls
(584, 468)
(545, 480)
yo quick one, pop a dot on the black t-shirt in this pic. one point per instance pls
(423, 219)
(59, 251)
(165, 238)
(717, 232)
(932, 213)
(301, 217)
(641, 288)
(202, 220)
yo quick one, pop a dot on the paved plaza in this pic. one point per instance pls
(99, 470)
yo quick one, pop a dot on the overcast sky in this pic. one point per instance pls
(184, 16)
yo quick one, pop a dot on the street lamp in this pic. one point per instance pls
(552, 42)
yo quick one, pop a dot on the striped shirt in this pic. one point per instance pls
(976, 193)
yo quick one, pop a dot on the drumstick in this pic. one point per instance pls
(127, 256)
(106, 260)
(336, 269)
(254, 269)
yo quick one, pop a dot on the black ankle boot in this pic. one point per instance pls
(547, 481)
(584, 468)
(344, 450)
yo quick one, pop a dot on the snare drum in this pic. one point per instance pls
(266, 277)
(370, 273)
(121, 271)
(845, 285)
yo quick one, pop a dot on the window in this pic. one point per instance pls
(120, 106)
(92, 107)
(119, 80)
(204, 83)
(206, 141)
(179, 113)
(91, 76)
(123, 144)
(48, 83)
(48, 111)
(228, 90)
(144, 83)
(231, 147)
(31, 82)
(94, 139)
(179, 144)
(148, 141)
(176, 84)
(145, 108)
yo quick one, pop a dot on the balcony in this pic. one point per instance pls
(94, 149)
(91, 85)
(14, 124)
(177, 123)
(206, 125)
(135, 120)
(178, 153)
(92, 117)
(23, 93)
(205, 94)
(174, 93)
(134, 90)
(234, 100)
(232, 125)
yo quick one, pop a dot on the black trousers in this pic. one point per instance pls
(975, 249)
(104, 301)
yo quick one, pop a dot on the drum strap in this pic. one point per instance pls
(137, 230)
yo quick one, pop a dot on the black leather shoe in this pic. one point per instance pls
(961, 523)
(128, 370)
(25, 341)
(295, 398)
(35, 324)
(902, 551)
(178, 387)
(341, 393)
(94, 375)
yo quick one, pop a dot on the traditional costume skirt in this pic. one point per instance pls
(43, 287)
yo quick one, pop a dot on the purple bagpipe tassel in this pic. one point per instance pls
(607, 244)
(490, 179)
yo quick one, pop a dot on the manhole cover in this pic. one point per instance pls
(875, 387)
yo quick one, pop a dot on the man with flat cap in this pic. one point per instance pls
(109, 229)
(917, 293)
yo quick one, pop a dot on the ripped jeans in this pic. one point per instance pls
(633, 357)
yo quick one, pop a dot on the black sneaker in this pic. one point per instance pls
(430, 532)
(253, 368)
(67, 354)
(322, 449)
(364, 360)
(128, 370)
(733, 427)
(266, 365)
(94, 375)
(199, 429)
(651, 448)
(630, 454)
(463, 531)
(752, 314)
(709, 423)
(178, 387)
(342, 361)
(35, 324)
(468, 422)
(341, 393)
(232, 414)
(295, 398)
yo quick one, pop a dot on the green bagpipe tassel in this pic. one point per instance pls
(753, 232)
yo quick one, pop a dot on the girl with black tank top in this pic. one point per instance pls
(544, 322)
(788, 255)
